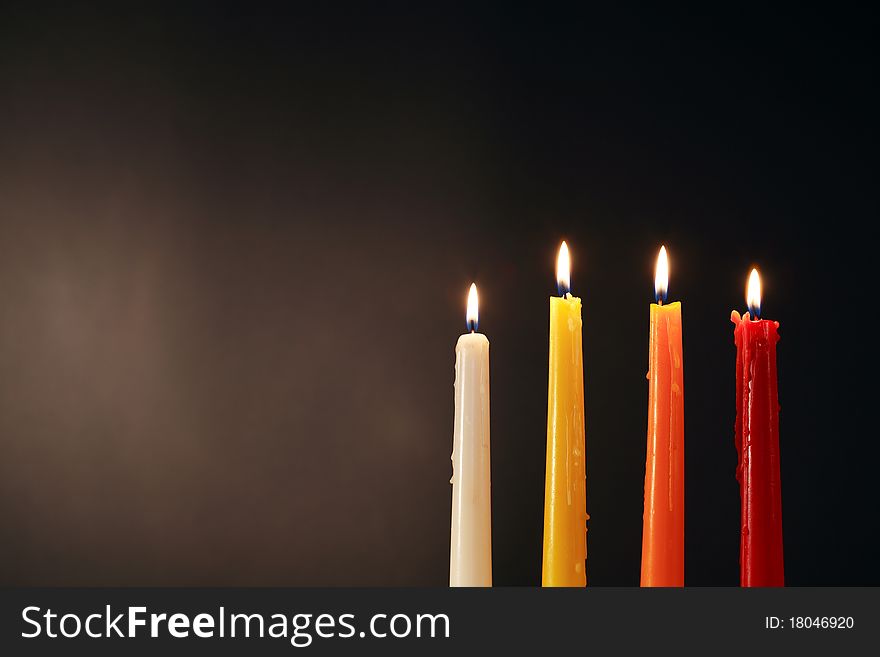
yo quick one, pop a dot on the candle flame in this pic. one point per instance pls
(661, 276)
(473, 309)
(753, 295)
(563, 270)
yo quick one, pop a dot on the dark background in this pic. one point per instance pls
(235, 247)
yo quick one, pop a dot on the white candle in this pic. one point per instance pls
(470, 559)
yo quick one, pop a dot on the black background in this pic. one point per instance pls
(235, 247)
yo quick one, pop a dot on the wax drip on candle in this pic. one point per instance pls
(753, 295)
(563, 271)
(661, 277)
(473, 309)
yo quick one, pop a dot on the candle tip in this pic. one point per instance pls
(563, 270)
(753, 295)
(473, 309)
(661, 276)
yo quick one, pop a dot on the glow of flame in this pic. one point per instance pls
(473, 309)
(563, 270)
(661, 276)
(753, 294)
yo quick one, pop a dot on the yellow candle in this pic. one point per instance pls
(565, 486)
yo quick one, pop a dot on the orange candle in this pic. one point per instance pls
(663, 522)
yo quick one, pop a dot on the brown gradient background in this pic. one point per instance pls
(235, 246)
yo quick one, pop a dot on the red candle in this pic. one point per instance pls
(757, 441)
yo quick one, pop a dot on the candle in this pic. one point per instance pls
(565, 495)
(470, 559)
(663, 522)
(757, 441)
